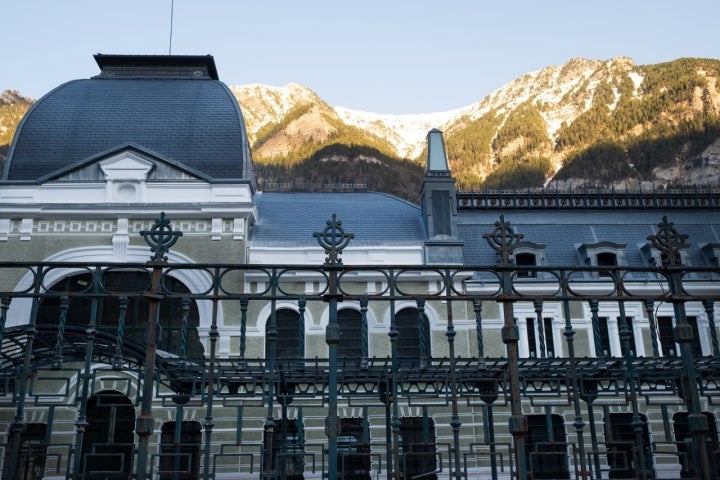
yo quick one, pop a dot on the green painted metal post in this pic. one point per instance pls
(333, 239)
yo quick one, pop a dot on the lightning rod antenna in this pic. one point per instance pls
(172, 5)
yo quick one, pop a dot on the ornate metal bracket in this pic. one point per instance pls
(334, 240)
(160, 238)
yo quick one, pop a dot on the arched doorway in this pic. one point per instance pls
(108, 441)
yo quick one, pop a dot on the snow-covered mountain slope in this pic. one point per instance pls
(406, 132)
(549, 86)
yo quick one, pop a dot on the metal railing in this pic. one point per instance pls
(479, 402)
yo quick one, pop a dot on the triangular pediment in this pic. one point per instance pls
(126, 163)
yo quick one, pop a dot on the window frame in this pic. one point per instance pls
(591, 253)
(288, 339)
(527, 250)
(554, 465)
(351, 347)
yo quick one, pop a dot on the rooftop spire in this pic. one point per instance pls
(436, 159)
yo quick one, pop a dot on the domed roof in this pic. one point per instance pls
(172, 107)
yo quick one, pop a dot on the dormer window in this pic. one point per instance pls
(711, 253)
(653, 257)
(526, 259)
(528, 254)
(606, 259)
(602, 254)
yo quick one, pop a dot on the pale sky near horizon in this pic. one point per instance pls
(382, 56)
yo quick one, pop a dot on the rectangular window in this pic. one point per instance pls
(532, 340)
(631, 340)
(606, 259)
(417, 444)
(546, 450)
(535, 348)
(667, 337)
(549, 338)
(622, 454)
(287, 451)
(604, 337)
(696, 346)
(683, 440)
(525, 259)
(180, 461)
(353, 461)
(30, 461)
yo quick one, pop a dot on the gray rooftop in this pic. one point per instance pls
(374, 218)
(190, 120)
(563, 231)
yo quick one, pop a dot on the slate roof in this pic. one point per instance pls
(562, 231)
(195, 122)
(374, 218)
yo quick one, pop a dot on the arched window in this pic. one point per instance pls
(352, 344)
(134, 327)
(289, 342)
(413, 340)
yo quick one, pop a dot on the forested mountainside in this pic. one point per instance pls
(12, 108)
(588, 122)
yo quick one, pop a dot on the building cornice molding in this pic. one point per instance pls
(552, 199)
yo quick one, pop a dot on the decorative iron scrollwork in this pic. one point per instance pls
(160, 238)
(334, 240)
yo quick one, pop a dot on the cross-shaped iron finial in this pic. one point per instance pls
(160, 238)
(333, 239)
(503, 240)
(669, 242)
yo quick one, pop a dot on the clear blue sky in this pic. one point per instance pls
(384, 56)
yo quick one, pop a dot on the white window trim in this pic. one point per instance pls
(523, 311)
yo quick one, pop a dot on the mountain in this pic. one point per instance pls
(298, 139)
(587, 122)
(12, 108)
